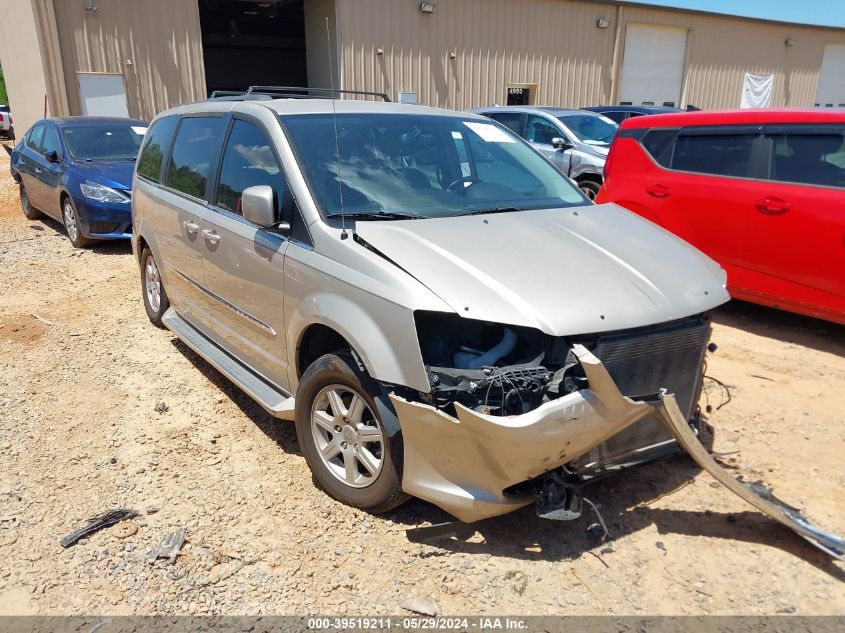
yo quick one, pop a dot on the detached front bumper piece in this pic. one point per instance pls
(756, 494)
(465, 464)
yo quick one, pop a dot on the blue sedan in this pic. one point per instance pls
(78, 170)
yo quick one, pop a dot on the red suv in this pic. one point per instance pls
(760, 191)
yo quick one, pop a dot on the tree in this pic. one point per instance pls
(4, 98)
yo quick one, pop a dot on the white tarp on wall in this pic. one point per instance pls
(757, 91)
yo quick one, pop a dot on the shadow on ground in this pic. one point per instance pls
(783, 326)
(100, 247)
(623, 501)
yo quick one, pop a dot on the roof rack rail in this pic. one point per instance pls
(291, 92)
(237, 95)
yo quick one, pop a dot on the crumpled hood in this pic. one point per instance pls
(563, 271)
(114, 173)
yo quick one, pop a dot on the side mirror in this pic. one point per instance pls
(259, 207)
(560, 143)
(52, 157)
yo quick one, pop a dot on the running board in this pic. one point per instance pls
(276, 403)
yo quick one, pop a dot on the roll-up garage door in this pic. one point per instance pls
(830, 92)
(653, 65)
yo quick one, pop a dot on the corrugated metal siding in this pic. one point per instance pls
(31, 62)
(494, 43)
(555, 45)
(161, 38)
(721, 50)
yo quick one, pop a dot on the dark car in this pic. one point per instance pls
(621, 112)
(78, 170)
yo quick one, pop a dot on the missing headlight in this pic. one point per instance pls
(492, 368)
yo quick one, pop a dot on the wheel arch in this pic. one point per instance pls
(382, 346)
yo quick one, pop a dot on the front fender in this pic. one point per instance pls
(382, 334)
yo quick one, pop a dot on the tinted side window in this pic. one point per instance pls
(511, 120)
(33, 140)
(658, 143)
(155, 145)
(812, 156)
(248, 161)
(718, 154)
(195, 149)
(616, 115)
(50, 143)
(539, 130)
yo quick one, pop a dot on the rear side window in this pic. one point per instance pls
(196, 147)
(33, 140)
(717, 154)
(511, 120)
(616, 115)
(155, 145)
(658, 143)
(808, 155)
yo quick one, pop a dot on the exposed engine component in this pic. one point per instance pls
(504, 390)
(469, 358)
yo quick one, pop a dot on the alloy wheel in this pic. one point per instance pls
(152, 284)
(71, 224)
(347, 435)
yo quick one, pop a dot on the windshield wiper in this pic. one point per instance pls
(376, 215)
(495, 210)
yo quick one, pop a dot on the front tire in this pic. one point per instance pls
(29, 212)
(155, 298)
(589, 188)
(72, 226)
(349, 434)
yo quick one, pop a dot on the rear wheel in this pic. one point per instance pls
(155, 298)
(349, 434)
(72, 226)
(30, 212)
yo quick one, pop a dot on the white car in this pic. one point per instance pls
(7, 127)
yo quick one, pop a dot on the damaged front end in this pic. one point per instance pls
(494, 435)
(522, 404)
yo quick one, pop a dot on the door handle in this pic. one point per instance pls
(190, 227)
(37, 170)
(773, 206)
(658, 191)
(210, 236)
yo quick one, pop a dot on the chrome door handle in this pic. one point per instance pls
(210, 236)
(37, 170)
(190, 227)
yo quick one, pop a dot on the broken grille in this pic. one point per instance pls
(641, 364)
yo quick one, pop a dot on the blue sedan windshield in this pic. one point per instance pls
(108, 141)
(411, 165)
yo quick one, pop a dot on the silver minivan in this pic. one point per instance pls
(438, 309)
(576, 141)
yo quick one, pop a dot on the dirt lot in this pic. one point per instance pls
(99, 409)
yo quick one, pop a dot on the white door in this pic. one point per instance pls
(102, 94)
(653, 65)
(830, 92)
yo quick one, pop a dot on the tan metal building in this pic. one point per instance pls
(139, 57)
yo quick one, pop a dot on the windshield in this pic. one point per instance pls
(423, 166)
(590, 129)
(108, 141)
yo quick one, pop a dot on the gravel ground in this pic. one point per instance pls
(99, 409)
